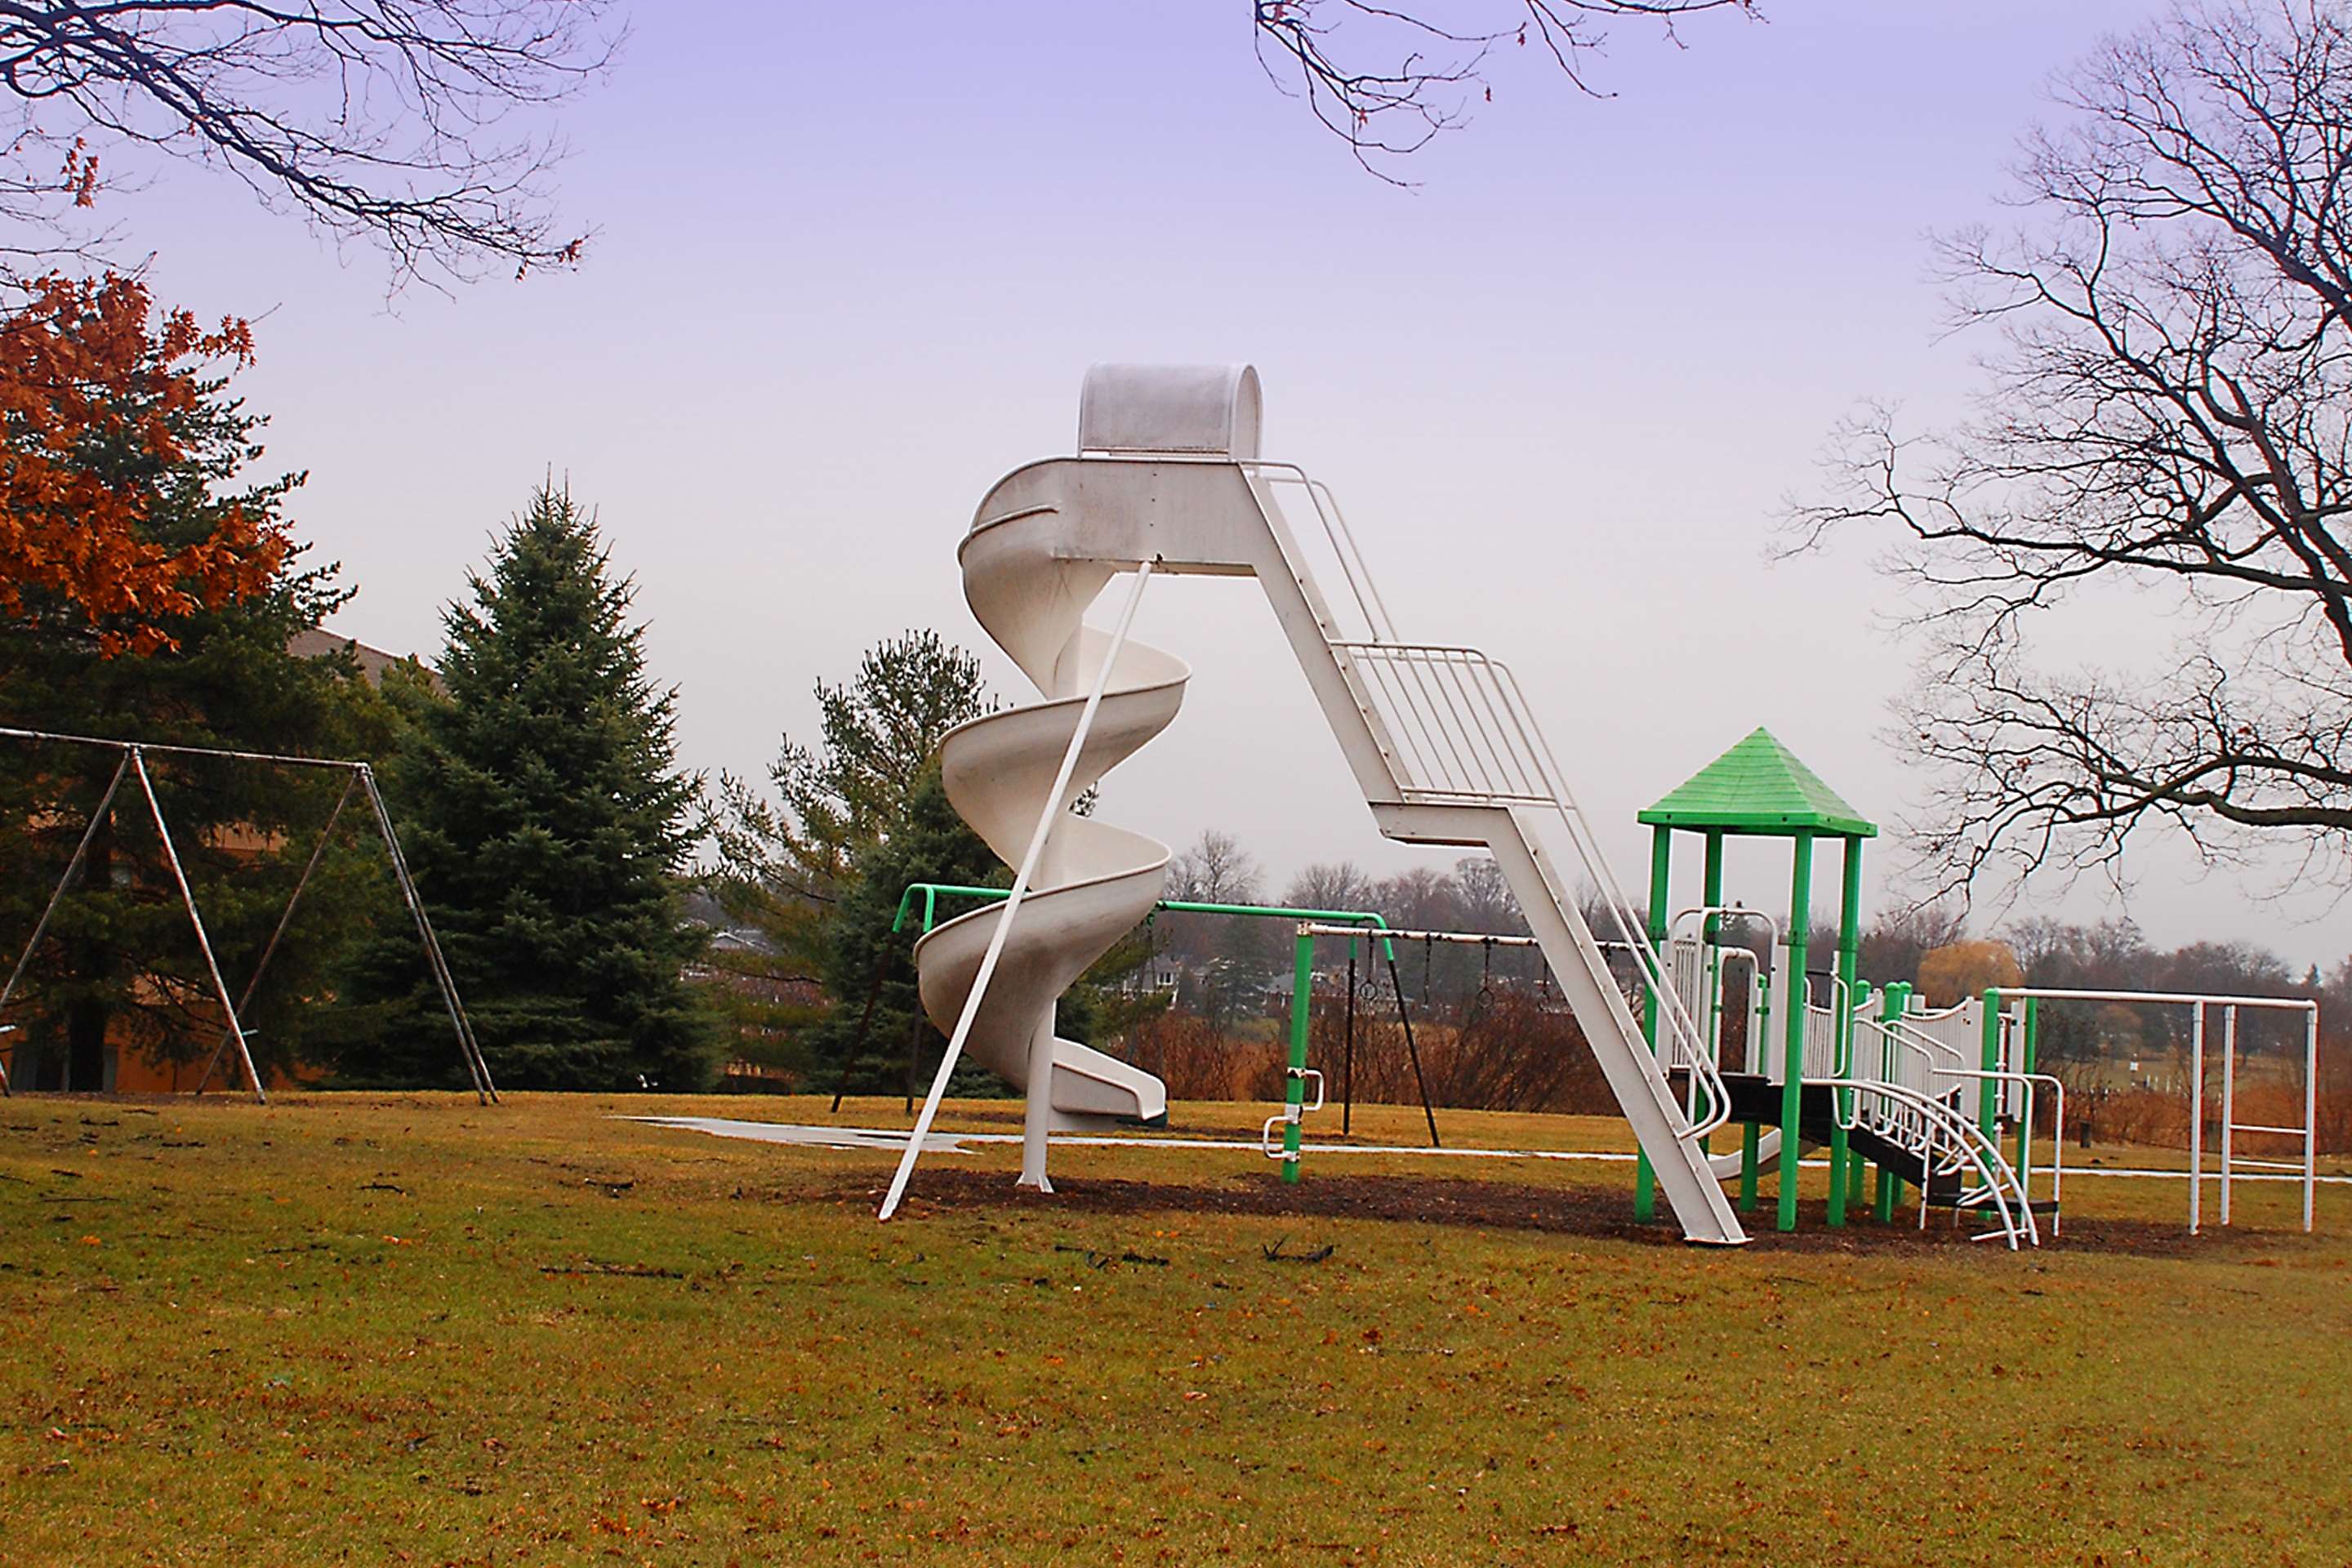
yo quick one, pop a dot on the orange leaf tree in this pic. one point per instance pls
(98, 401)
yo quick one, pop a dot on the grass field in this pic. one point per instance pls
(411, 1330)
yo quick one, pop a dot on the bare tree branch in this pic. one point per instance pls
(402, 121)
(1387, 80)
(2169, 409)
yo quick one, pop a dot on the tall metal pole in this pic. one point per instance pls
(270, 951)
(89, 835)
(204, 942)
(1793, 1060)
(1040, 1091)
(2196, 1114)
(485, 1090)
(1645, 1180)
(1845, 1165)
(2310, 1110)
(1411, 1051)
(2229, 1098)
(857, 1040)
(1293, 1082)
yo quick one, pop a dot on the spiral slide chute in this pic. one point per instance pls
(1094, 882)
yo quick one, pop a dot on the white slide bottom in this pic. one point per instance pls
(1768, 1149)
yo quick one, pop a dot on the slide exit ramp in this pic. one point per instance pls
(1440, 737)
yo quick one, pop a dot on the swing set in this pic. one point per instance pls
(358, 778)
(1371, 947)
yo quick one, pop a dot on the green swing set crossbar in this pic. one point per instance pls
(933, 893)
(1370, 922)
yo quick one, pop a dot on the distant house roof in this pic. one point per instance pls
(320, 643)
(1759, 786)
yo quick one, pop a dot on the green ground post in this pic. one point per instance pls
(1987, 1091)
(1750, 1135)
(1848, 956)
(1711, 895)
(1792, 1061)
(1893, 1001)
(1293, 1089)
(1645, 1181)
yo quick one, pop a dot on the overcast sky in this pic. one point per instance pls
(851, 264)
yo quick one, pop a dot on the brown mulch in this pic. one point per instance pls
(1506, 1207)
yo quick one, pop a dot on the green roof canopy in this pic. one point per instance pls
(1760, 787)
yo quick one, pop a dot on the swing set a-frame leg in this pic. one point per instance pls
(204, 942)
(73, 868)
(270, 950)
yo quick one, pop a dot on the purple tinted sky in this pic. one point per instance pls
(849, 271)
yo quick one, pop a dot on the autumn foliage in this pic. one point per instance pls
(95, 396)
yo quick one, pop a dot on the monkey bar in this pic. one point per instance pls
(2306, 1169)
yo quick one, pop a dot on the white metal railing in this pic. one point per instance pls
(1824, 1042)
(1702, 993)
(1463, 733)
(1455, 728)
(1914, 1110)
(1346, 553)
(1947, 1144)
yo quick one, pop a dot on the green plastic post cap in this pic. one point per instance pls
(1759, 786)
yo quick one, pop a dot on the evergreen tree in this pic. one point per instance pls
(930, 844)
(166, 457)
(546, 822)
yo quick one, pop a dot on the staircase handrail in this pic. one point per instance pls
(1527, 770)
(1966, 1141)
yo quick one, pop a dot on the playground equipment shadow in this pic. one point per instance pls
(408, 1327)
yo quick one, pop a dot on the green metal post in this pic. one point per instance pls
(1893, 1003)
(1987, 1090)
(1293, 1092)
(1750, 1136)
(1793, 1060)
(1646, 1188)
(1848, 959)
(1711, 895)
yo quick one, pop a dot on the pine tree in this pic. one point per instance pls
(547, 823)
(930, 844)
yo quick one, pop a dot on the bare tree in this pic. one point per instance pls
(1339, 885)
(1483, 898)
(2169, 409)
(1215, 870)
(1387, 78)
(398, 121)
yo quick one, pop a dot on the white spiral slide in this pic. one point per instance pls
(1094, 882)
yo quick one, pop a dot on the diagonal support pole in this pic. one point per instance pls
(90, 834)
(270, 951)
(1412, 1050)
(1047, 819)
(476, 1068)
(204, 942)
